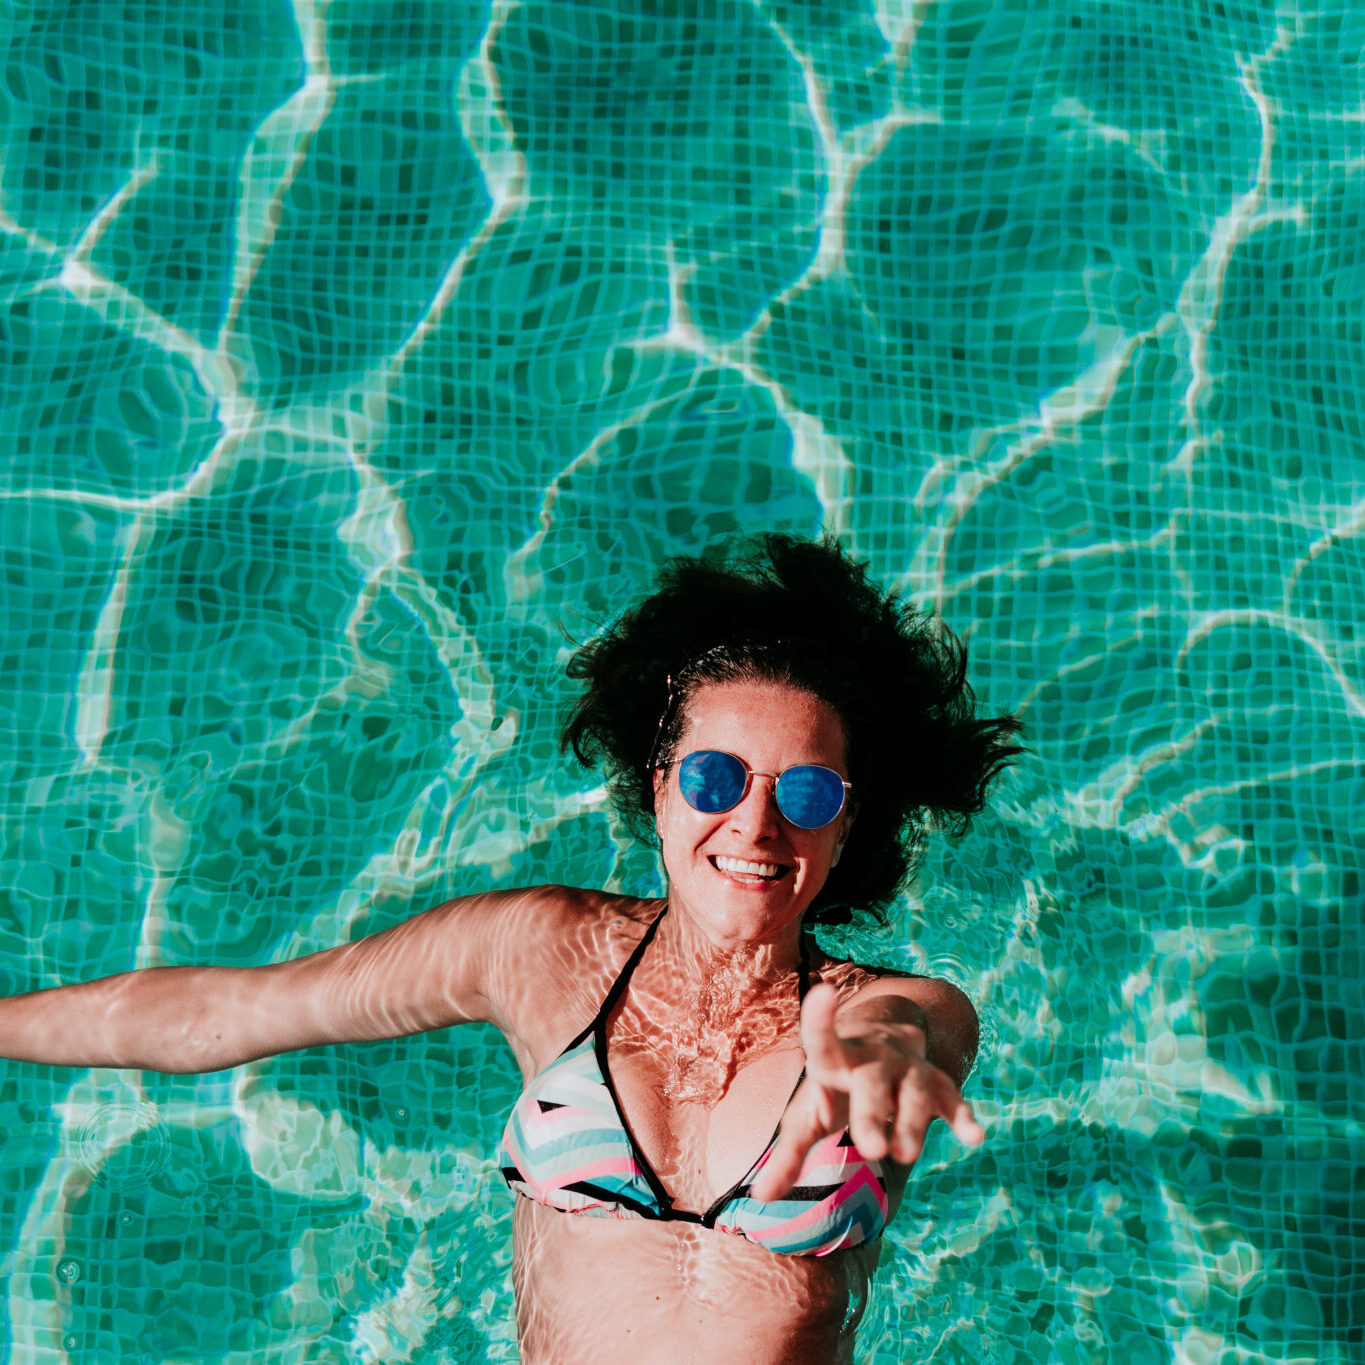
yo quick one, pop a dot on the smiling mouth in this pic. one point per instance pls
(742, 869)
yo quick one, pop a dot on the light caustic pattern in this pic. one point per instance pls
(358, 358)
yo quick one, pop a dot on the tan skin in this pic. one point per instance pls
(704, 1048)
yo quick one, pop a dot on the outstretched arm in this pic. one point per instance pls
(430, 971)
(880, 1071)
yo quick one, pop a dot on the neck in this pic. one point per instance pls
(699, 957)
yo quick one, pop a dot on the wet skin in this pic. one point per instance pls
(704, 1047)
(588, 1288)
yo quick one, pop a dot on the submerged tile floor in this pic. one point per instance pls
(356, 357)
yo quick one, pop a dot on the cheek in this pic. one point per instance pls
(674, 820)
(665, 814)
(663, 800)
(831, 843)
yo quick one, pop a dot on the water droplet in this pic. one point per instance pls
(70, 1342)
(400, 1113)
(68, 1271)
(131, 1136)
(125, 1220)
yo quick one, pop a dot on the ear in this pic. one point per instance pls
(844, 830)
(850, 815)
(660, 782)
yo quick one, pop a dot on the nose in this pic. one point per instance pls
(756, 817)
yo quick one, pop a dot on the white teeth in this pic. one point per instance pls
(753, 869)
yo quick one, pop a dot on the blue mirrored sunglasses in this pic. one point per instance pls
(808, 795)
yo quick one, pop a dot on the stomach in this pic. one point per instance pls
(592, 1288)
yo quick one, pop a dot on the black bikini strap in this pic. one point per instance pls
(622, 980)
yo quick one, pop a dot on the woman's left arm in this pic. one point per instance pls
(884, 1067)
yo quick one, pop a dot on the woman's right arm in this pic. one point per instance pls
(454, 964)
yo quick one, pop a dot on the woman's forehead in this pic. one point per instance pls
(760, 712)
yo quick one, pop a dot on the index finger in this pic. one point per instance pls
(798, 1133)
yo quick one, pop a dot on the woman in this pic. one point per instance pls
(788, 733)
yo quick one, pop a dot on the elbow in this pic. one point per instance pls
(175, 1030)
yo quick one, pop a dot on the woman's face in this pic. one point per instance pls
(748, 874)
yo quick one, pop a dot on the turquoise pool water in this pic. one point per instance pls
(358, 358)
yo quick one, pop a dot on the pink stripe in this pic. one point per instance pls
(861, 1179)
(612, 1165)
(821, 1249)
(826, 1152)
(623, 1166)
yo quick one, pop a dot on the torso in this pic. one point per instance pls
(592, 1289)
(702, 1079)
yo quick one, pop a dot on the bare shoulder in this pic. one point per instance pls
(545, 918)
(551, 954)
(556, 923)
(856, 982)
(505, 957)
(582, 905)
(950, 1017)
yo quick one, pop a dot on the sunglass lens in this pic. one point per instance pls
(711, 781)
(810, 796)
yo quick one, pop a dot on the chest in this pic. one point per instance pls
(701, 1106)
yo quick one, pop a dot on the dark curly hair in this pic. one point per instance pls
(799, 612)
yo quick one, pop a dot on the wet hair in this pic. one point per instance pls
(801, 613)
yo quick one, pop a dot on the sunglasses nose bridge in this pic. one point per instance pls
(769, 806)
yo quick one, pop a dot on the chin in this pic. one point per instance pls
(739, 910)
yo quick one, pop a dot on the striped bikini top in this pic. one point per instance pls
(567, 1145)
